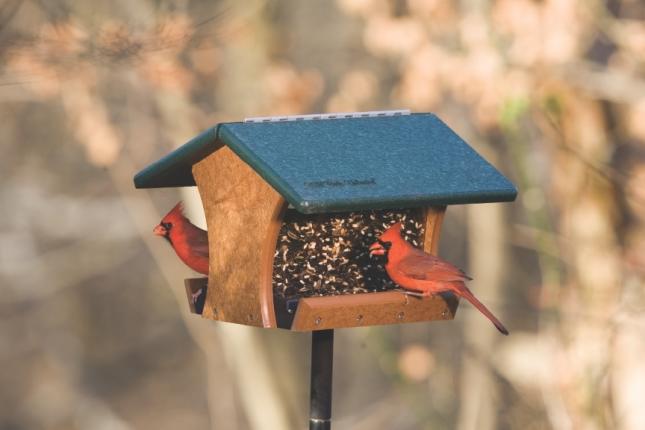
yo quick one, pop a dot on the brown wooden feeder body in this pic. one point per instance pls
(244, 215)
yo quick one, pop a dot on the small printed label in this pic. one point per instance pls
(329, 183)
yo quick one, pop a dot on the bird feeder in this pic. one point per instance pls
(292, 205)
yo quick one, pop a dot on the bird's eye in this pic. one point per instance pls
(166, 225)
(386, 245)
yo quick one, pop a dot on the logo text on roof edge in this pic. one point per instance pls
(328, 183)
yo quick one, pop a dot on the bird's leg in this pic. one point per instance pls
(196, 295)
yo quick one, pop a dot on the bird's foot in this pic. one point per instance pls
(414, 293)
(196, 295)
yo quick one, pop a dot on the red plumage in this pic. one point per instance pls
(423, 273)
(189, 241)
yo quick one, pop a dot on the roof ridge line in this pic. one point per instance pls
(324, 116)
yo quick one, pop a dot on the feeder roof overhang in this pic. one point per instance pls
(347, 164)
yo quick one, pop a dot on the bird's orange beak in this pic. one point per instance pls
(159, 230)
(377, 249)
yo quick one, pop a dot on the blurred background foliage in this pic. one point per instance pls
(93, 321)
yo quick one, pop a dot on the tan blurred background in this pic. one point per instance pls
(94, 330)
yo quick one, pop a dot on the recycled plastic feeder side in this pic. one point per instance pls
(240, 209)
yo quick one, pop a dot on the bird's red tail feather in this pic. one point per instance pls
(463, 291)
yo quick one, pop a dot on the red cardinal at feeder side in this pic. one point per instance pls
(423, 273)
(189, 241)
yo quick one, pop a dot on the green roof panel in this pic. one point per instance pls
(175, 169)
(357, 163)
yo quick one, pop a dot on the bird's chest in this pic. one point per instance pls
(182, 248)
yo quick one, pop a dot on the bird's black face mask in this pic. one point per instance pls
(380, 249)
(386, 246)
(167, 226)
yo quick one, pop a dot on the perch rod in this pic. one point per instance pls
(322, 360)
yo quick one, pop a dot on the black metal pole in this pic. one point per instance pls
(322, 362)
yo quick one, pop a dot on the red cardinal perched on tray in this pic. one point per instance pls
(422, 273)
(189, 241)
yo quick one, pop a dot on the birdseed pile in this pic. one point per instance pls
(321, 255)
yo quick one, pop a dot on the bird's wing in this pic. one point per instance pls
(430, 268)
(198, 241)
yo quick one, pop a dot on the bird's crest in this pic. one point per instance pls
(177, 212)
(178, 209)
(392, 233)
